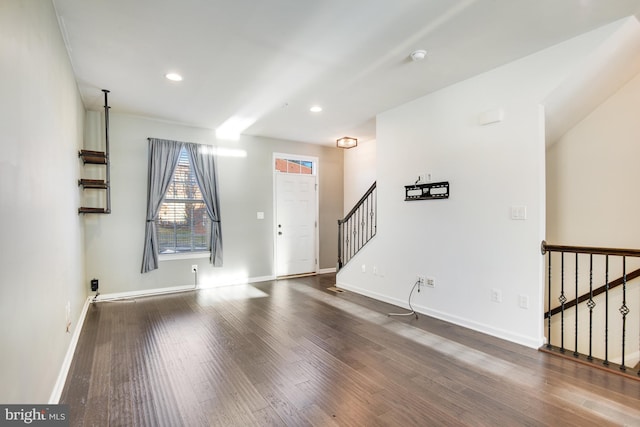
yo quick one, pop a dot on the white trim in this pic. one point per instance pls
(470, 324)
(236, 283)
(54, 398)
(144, 293)
(260, 279)
(176, 289)
(326, 270)
(184, 255)
(629, 359)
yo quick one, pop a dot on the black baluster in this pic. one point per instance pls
(624, 310)
(549, 302)
(375, 203)
(348, 239)
(356, 232)
(591, 304)
(606, 311)
(575, 348)
(367, 219)
(363, 229)
(562, 300)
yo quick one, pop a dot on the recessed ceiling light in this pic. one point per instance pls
(174, 77)
(315, 109)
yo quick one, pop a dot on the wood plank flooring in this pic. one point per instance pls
(291, 353)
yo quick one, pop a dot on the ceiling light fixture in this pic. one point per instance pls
(346, 142)
(315, 109)
(418, 55)
(174, 77)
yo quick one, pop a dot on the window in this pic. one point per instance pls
(303, 167)
(183, 225)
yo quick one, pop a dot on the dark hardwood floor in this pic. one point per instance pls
(292, 353)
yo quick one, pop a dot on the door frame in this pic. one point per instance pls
(316, 173)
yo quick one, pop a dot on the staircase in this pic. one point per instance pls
(595, 320)
(357, 227)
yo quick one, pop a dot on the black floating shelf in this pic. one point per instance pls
(430, 191)
(92, 211)
(93, 183)
(93, 157)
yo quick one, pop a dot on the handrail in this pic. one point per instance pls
(357, 227)
(544, 247)
(358, 204)
(602, 289)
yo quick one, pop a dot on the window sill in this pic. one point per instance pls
(190, 255)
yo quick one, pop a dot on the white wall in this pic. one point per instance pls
(359, 172)
(114, 242)
(41, 267)
(591, 175)
(468, 243)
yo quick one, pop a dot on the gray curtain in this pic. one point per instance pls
(163, 159)
(204, 166)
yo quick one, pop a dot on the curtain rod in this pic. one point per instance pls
(184, 142)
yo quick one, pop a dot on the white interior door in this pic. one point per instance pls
(295, 224)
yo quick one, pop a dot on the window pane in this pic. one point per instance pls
(304, 167)
(293, 167)
(281, 165)
(183, 224)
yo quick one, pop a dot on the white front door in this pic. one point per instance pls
(295, 224)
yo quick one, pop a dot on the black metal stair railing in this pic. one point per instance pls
(602, 318)
(358, 226)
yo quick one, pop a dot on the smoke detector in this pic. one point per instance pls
(418, 55)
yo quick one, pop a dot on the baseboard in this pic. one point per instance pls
(176, 289)
(143, 293)
(374, 295)
(238, 282)
(327, 270)
(466, 323)
(54, 398)
(481, 327)
(631, 359)
(258, 279)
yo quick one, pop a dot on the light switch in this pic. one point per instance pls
(518, 212)
(260, 215)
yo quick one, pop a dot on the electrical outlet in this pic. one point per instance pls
(364, 268)
(420, 280)
(523, 301)
(496, 295)
(430, 282)
(194, 268)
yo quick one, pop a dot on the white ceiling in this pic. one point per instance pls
(268, 61)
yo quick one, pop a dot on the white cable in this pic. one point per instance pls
(412, 312)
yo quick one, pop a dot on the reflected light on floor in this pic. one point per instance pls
(207, 297)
